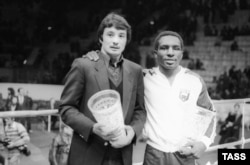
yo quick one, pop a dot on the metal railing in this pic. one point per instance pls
(34, 113)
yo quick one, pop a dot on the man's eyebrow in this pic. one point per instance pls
(170, 45)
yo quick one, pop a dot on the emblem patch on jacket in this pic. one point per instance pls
(184, 95)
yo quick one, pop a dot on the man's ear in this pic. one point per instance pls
(100, 41)
(155, 53)
(182, 55)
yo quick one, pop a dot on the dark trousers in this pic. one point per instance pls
(113, 156)
(2, 160)
(155, 157)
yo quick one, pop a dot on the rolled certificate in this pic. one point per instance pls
(106, 108)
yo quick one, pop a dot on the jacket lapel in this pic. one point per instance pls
(101, 74)
(127, 79)
(127, 87)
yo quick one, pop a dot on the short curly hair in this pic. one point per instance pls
(167, 33)
(117, 21)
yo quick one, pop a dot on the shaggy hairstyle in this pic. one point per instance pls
(12, 91)
(167, 33)
(117, 21)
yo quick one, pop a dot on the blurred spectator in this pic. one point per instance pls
(247, 72)
(2, 103)
(58, 153)
(210, 30)
(230, 129)
(150, 60)
(11, 101)
(213, 94)
(185, 55)
(195, 64)
(2, 160)
(24, 102)
(2, 148)
(54, 118)
(191, 64)
(232, 72)
(15, 141)
(234, 84)
(199, 64)
(234, 46)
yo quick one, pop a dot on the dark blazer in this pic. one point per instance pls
(84, 79)
(26, 105)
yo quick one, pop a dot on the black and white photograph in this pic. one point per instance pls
(123, 82)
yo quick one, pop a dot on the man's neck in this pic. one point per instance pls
(170, 73)
(113, 60)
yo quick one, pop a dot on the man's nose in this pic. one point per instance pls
(115, 40)
(170, 51)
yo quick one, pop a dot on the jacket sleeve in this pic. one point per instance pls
(205, 102)
(71, 97)
(139, 116)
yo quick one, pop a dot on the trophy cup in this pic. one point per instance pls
(106, 108)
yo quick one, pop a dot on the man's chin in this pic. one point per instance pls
(169, 67)
(115, 54)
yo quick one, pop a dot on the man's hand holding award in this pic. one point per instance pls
(107, 110)
(196, 123)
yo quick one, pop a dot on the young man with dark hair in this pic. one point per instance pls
(91, 144)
